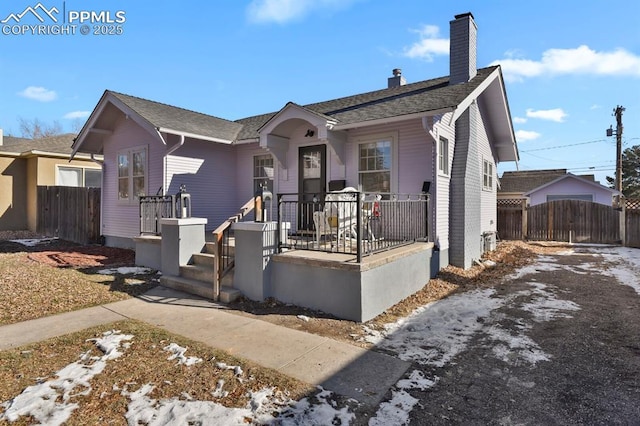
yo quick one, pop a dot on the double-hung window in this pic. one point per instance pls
(487, 175)
(443, 156)
(132, 173)
(378, 163)
(263, 172)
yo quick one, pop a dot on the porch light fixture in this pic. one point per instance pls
(309, 133)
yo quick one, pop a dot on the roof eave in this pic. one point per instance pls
(395, 119)
(193, 135)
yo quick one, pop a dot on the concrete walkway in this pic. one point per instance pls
(345, 369)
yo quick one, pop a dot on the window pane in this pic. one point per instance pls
(69, 176)
(139, 163)
(123, 165)
(138, 186)
(376, 182)
(123, 188)
(92, 178)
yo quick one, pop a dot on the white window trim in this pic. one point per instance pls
(446, 172)
(129, 152)
(493, 174)
(73, 166)
(377, 137)
(253, 169)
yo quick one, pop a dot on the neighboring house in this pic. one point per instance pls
(513, 185)
(541, 186)
(571, 187)
(449, 132)
(26, 164)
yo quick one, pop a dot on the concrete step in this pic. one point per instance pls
(229, 294)
(187, 285)
(203, 273)
(227, 280)
(204, 259)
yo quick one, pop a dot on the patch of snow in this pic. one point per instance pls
(546, 306)
(264, 407)
(219, 392)
(237, 370)
(34, 241)
(177, 352)
(626, 268)
(434, 334)
(125, 270)
(304, 318)
(396, 411)
(41, 401)
(417, 380)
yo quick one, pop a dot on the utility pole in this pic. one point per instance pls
(618, 113)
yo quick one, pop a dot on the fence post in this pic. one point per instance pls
(623, 221)
(524, 219)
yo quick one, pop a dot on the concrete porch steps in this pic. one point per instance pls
(197, 277)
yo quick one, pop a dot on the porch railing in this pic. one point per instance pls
(352, 222)
(152, 209)
(225, 258)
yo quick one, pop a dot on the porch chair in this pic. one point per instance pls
(338, 217)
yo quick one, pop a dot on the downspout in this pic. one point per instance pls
(166, 156)
(428, 126)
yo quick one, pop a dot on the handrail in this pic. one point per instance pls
(221, 239)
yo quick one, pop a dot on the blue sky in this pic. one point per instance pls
(567, 64)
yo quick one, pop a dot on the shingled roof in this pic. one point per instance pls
(524, 181)
(59, 144)
(423, 96)
(183, 120)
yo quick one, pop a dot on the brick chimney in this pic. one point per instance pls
(397, 80)
(462, 48)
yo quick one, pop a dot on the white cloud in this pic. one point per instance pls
(526, 135)
(76, 114)
(38, 93)
(580, 60)
(595, 106)
(556, 114)
(283, 11)
(519, 120)
(429, 45)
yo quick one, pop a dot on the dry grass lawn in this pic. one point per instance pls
(142, 363)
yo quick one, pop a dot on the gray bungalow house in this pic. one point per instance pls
(443, 136)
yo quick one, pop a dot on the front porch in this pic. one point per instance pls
(337, 284)
(370, 257)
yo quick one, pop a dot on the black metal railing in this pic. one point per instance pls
(351, 222)
(152, 209)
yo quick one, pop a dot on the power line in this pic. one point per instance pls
(564, 146)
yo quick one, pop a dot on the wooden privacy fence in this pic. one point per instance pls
(570, 220)
(632, 222)
(69, 213)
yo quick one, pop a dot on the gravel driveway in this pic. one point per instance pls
(556, 343)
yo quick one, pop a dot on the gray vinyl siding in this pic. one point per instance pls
(488, 209)
(466, 187)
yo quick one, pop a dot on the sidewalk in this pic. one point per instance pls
(342, 368)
